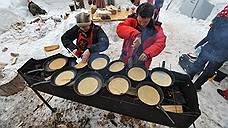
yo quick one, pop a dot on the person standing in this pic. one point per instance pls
(214, 50)
(111, 2)
(143, 37)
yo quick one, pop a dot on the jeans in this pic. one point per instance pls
(207, 72)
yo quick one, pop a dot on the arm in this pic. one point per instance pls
(202, 42)
(158, 45)
(127, 29)
(68, 38)
(102, 43)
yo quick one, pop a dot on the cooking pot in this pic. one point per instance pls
(137, 74)
(118, 85)
(162, 77)
(152, 95)
(99, 63)
(117, 67)
(51, 64)
(61, 77)
(88, 84)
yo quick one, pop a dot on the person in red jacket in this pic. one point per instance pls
(143, 37)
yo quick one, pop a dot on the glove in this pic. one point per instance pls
(143, 57)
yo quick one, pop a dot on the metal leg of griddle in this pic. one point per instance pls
(160, 107)
(45, 102)
(194, 125)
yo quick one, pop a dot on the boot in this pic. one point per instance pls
(223, 93)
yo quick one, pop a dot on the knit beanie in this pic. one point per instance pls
(83, 19)
(145, 10)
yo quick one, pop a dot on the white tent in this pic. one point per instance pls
(199, 9)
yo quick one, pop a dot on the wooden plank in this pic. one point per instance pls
(173, 108)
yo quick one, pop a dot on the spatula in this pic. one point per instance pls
(78, 60)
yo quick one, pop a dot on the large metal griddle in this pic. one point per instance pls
(123, 104)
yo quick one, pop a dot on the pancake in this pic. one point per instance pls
(57, 63)
(116, 66)
(137, 74)
(99, 63)
(64, 78)
(118, 86)
(148, 95)
(87, 86)
(80, 65)
(161, 78)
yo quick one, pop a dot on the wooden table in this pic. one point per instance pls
(119, 16)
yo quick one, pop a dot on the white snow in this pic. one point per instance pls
(21, 36)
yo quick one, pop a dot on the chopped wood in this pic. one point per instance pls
(61, 126)
(14, 60)
(51, 48)
(35, 20)
(168, 52)
(14, 54)
(4, 49)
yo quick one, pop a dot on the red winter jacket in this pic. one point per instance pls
(153, 42)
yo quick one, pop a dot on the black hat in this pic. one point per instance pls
(145, 10)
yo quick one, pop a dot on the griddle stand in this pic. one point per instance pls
(44, 101)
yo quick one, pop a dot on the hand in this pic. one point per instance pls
(75, 53)
(196, 46)
(85, 55)
(143, 57)
(136, 42)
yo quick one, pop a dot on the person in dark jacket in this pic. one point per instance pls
(98, 3)
(213, 52)
(143, 37)
(90, 37)
(35, 9)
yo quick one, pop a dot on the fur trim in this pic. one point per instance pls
(84, 24)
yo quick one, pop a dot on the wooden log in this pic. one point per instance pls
(51, 48)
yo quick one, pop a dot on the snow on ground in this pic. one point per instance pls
(28, 39)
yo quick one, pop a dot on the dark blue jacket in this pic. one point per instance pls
(100, 40)
(216, 42)
(159, 3)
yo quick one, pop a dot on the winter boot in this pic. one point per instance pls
(224, 93)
